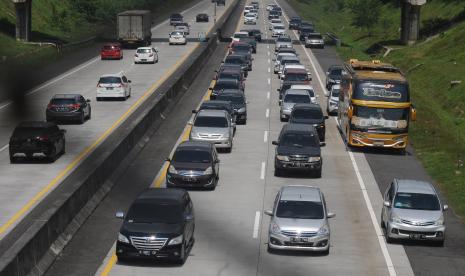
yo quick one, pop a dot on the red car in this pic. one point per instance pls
(239, 46)
(111, 51)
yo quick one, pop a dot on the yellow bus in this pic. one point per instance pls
(374, 105)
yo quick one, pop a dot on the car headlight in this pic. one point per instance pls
(275, 228)
(332, 81)
(176, 240)
(396, 219)
(440, 221)
(282, 157)
(209, 170)
(172, 169)
(324, 231)
(194, 134)
(241, 110)
(122, 238)
(314, 159)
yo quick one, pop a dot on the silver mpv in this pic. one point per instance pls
(412, 210)
(299, 220)
(214, 126)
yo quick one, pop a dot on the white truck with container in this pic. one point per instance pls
(134, 27)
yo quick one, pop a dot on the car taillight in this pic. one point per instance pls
(42, 138)
(98, 85)
(50, 106)
(119, 85)
(75, 106)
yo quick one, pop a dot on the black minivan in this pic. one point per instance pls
(37, 137)
(298, 149)
(310, 114)
(159, 225)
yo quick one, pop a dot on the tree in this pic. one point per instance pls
(365, 13)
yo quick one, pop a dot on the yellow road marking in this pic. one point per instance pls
(109, 265)
(90, 148)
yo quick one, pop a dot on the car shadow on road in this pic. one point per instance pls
(293, 253)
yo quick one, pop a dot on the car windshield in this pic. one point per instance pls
(177, 33)
(226, 85)
(284, 39)
(229, 75)
(241, 47)
(210, 121)
(307, 114)
(337, 71)
(235, 99)
(241, 35)
(416, 201)
(110, 80)
(315, 36)
(389, 91)
(386, 119)
(298, 140)
(335, 93)
(144, 212)
(300, 209)
(290, 61)
(143, 51)
(278, 27)
(294, 98)
(192, 156)
(233, 60)
(296, 77)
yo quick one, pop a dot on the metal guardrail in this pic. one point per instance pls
(334, 39)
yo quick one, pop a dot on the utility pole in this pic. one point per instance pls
(410, 21)
(214, 13)
(23, 19)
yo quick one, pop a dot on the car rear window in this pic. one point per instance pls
(28, 131)
(144, 212)
(315, 36)
(241, 47)
(226, 85)
(62, 101)
(210, 121)
(110, 47)
(192, 156)
(144, 51)
(234, 98)
(307, 114)
(293, 98)
(110, 80)
(296, 77)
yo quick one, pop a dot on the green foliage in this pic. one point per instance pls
(365, 13)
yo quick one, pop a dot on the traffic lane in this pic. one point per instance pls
(104, 115)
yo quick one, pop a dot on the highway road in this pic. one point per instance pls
(24, 185)
(231, 230)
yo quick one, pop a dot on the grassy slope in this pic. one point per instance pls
(439, 134)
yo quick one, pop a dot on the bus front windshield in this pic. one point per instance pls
(381, 120)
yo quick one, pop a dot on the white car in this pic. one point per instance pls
(146, 55)
(273, 22)
(333, 99)
(113, 86)
(309, 90)
(238, 35)
(314, 40)
(277, 60)
(278, 29)
(293, 66)
(269, 7)
(250, 19)
(247, 9)
(177, 37)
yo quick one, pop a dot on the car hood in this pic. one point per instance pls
(307, 121)
(287, 106)
(149, 229)
(210, 130)
(189, 166)
(291, 224)
(417, 215)
(289, 150)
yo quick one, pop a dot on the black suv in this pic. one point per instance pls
(159, 225)
(218, 105)
(309, 114)
(68, 107)
(304, 32)
(224, 84)
(298, 149)
(31, 138)
(254, 33)
(176, 18)
(294, 23)
(194, 164)
(239, 103)
(238, 60)
(334, 75)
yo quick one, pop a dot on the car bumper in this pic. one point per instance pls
(50, 115)
(282, 242)
(410, 232)
(220, 143)
(29, 150)
(315, 44)
(177, 41)
(141, 60)
(110, 56)
(115, 93)
(124, 250)
(250, 22)
(190, 181)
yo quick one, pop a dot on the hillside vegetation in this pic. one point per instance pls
(71, 20)
(438, 136)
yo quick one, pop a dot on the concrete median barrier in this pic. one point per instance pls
(32, 246)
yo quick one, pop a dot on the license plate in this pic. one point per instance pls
(378, 144)
(299, 240)
(109, 88)
(147, 252)
(189, 179)
(417, 236)
(144, 59)
(298, 165)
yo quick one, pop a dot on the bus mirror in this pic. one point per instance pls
(350, 112)
(413, 114)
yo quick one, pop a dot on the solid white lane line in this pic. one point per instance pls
(262, 171)
(378, 231)
(267, 113)
(265, 136)
(268, 95)
(256, 224)
(4, 147)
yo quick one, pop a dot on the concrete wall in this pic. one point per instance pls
(30, 247)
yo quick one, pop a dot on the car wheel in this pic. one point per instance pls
(53, 155)
(82, 119)
(13, 159)
(317, 173)
(63, 150)
(269, 249)
(439, 243)
(182, 258)
(278, 172)
(386, 234)
(90, 114)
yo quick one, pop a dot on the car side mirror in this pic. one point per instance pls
(327, 73)
(218, 160)
(222, 61)
(274, 59)
(194, 111)
(387, 203)
(413, 113)
(130, 81)
(119, 215)
(189, 217)
(268, 212)
(156, 50)
(233, 124)
(330, 215)
(210, 88)
(445, 207)
(326, 117)
(322, 144)
(280, 102)
(167, 159)
(63, 131)
(88, 100)
(350, 112)
(274, 143)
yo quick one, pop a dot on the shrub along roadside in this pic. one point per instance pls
(438, 136)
